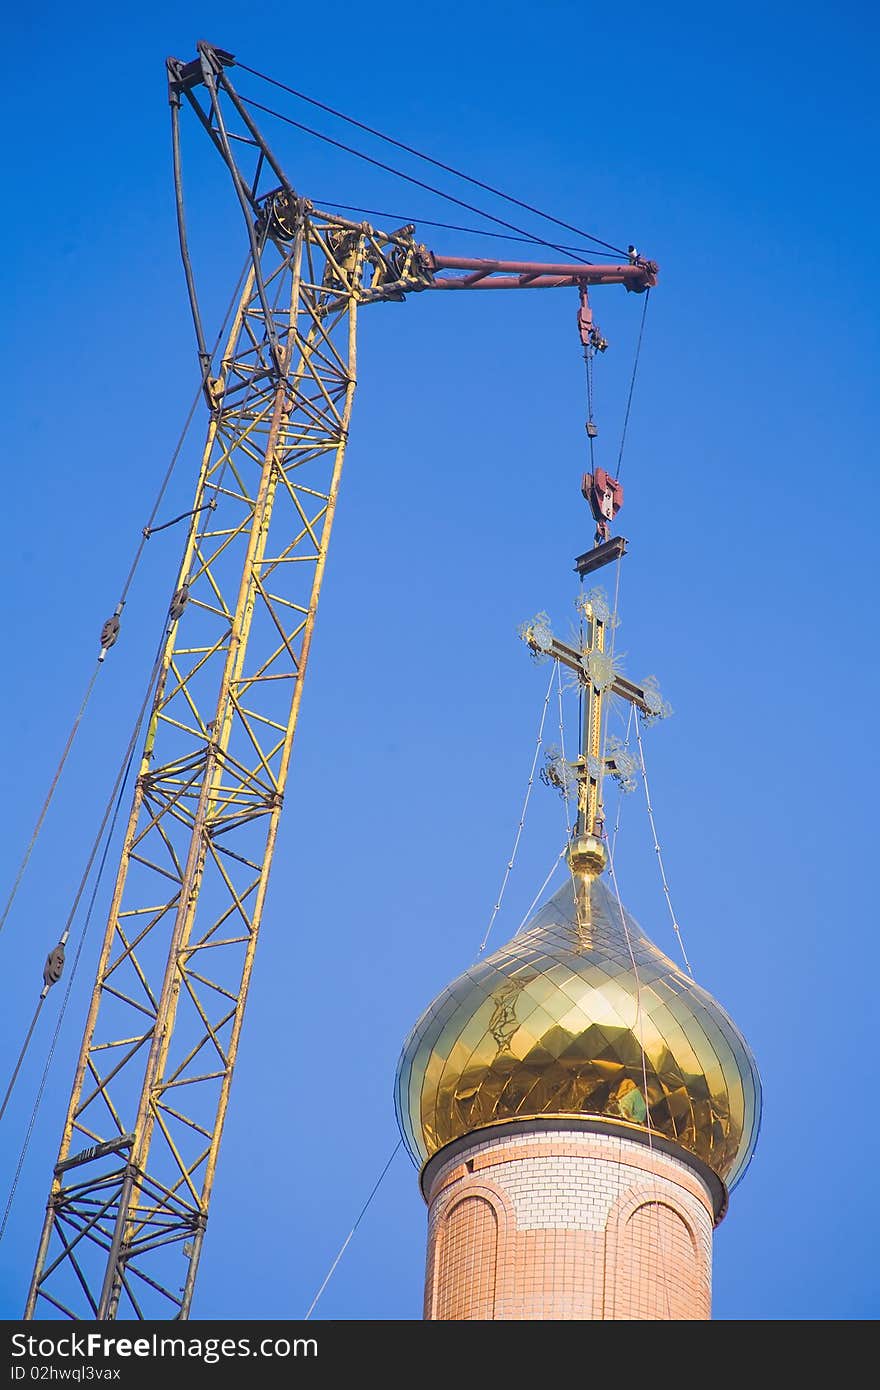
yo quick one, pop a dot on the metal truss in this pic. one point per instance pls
(130, 1195)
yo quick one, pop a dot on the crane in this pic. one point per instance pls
(131, 1187)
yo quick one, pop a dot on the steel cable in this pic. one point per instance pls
(632, 383)
(529, 910)
(522, 816)
(111, 814)
(23, 1053)
(145, 535)
(398, 173)
(342, 1249)
(641, 1040)
(56, 777)
(675, 927)
(400, 218)
(437, 163)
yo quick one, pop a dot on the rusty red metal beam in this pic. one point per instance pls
(527, 275)
(516, 282)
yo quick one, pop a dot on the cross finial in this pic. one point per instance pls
(596, 670)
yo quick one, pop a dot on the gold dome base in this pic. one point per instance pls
(589, 1124)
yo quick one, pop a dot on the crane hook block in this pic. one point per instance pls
(605, 496)
(589, 333)
(54, 967)
(584, 318)
(178, 603)
(109, 634)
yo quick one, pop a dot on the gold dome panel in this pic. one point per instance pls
(554, 1024)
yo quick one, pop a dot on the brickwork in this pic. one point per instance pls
(465, 1286)
(567, 1225)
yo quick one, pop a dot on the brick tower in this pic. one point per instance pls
(547, 1221)
(578, 1105)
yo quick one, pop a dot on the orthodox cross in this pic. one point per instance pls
(593, 665)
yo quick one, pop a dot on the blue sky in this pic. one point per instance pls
(737, 148)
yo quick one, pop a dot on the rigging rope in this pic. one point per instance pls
(565, 792)
(632, 382)
(148, 530)
(398, 173)
(345, 1243)
(445, 226)
(620, 792)
(437, 164)
(23, 1053)
(116, 795)
(522, 816)
(555, 865)
(639, 1012)
(641, 1038)
(657, 851)
(603, 733)
(591, 424)
(556, 862)
(615, 612)
(612, 843)
(48, 798)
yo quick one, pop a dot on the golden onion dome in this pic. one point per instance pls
(581, 1015)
